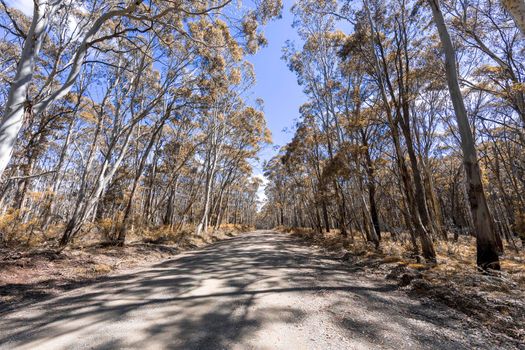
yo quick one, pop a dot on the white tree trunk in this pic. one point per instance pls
(13, 117)
(215, 148)
(202, 227)
(14, 111)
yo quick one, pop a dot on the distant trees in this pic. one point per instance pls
(377, 149)
(122, 115)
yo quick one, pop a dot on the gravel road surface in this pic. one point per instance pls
(260, 290)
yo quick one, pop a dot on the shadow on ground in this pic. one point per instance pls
(235, 293)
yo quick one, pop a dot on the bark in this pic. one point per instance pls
(419, 194)
(403, 111)
(84, 210)
(57, 177)
(488, 245)
(123, 227)
(16, 103)
(371, 188)
(12, 119)
(516, 8)
(415, 218)
(202, 227)
(372, 236)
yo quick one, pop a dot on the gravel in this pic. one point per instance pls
(260, 290)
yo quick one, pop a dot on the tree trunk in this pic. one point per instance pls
(413, 212)
(516, 8)
(123, 227)
(15, 106)
(488, 245)
(371, 188)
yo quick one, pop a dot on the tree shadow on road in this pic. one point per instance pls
(207, 299)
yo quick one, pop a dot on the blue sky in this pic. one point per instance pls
(276, 84)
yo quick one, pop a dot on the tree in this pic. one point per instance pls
(115, 108)
(487, 243)
(96, 27)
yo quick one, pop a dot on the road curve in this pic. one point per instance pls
(260, 290)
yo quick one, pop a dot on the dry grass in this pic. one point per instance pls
(495, 299)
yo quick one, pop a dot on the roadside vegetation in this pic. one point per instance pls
(409, 155)
(128, 119)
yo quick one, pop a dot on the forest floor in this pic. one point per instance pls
(30, 274)
(261, 290)
(495, 300)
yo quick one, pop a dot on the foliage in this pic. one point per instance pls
(136, 117)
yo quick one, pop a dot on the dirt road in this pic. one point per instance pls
(260, 290)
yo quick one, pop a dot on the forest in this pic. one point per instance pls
(122, 117)
(414, 128)
(130, 133)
